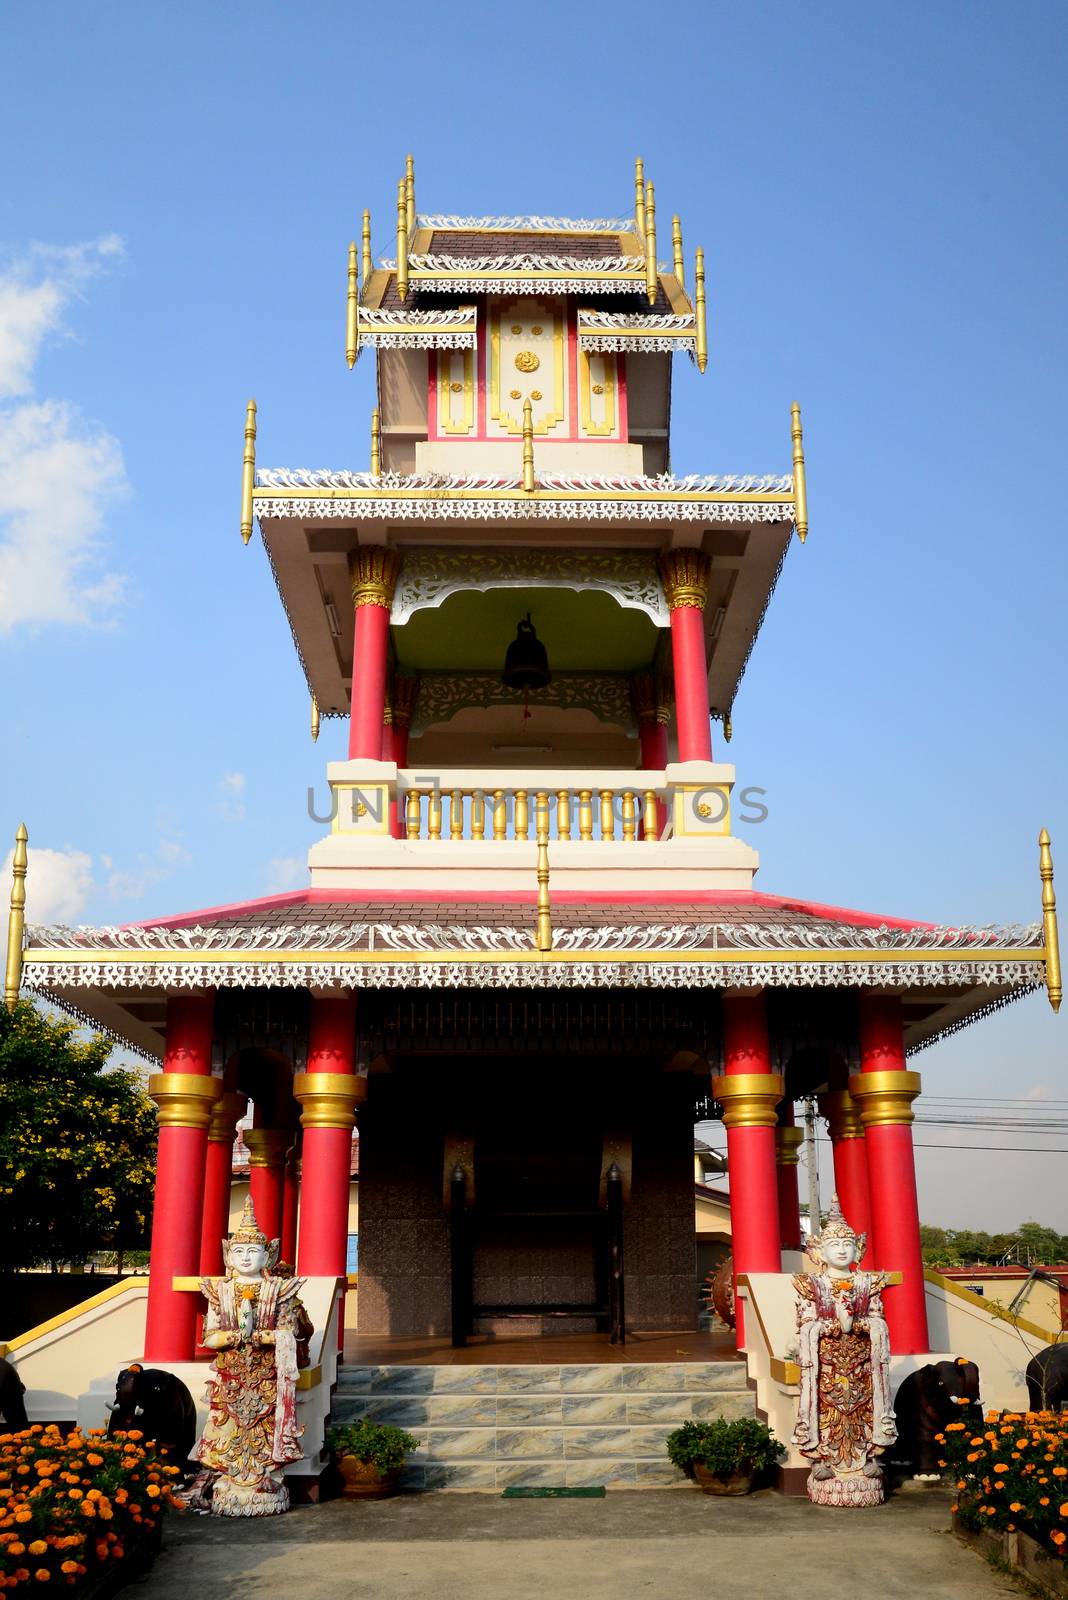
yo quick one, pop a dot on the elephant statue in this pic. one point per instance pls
(160, 1405)
(1047, 1379)
(945, 1391)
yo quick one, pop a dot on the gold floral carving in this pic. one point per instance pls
(373, 572)
(535, 394)
(685, 578)
(514, 394)
(516, 327)
(537, 330)
(598, 388)
(527, 361)
(457, 388)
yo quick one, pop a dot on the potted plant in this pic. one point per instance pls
(724, 1457)
(369, 1456)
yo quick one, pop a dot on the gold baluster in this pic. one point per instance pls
(700, 311)
(649, 816)
(630, 816)
(478, 814)
(248, 471)
(563, 813)
(543, 937)
(585, 815)
(413, 813)
(433, 821)
(522, 814)
(456, 814)
(376, 444)
(528, 448)
(500, 814)
(800, 491)
(608, 815)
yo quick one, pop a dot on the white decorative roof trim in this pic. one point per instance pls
(527, 261)
(428, 577)
(414, 339)
(608, 320)
(529, 510)
(50, 982)
(637, 343)
(609, 331)
(453, 482)
(530, 224)
(419, 330)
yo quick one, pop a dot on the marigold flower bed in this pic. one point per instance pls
(75, 1506)
(1011, 1474)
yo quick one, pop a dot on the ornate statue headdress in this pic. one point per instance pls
(835, 1226)
(247, 1230)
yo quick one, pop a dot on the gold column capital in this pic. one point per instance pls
(684, 574)
(226, 1111)
(748, 1098)
(267, 1147)
(842, 1113)
(329, 1099)
(16, 920)
(184, 1099)
(373, 573)
(884, 1097)
(788, 1142)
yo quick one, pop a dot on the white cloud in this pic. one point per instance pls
(58, 883)
(150, 868)
(58, 473)
(287, 872)
(232, 805)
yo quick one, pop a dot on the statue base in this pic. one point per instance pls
(855, 1491)
(230, 1499)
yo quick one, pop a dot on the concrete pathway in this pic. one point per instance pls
(658, 1543)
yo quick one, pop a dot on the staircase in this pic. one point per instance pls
(487, 1427)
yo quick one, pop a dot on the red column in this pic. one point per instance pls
(885, 1091)
(218, 1171)
(328, 1092)
(185, 1092)
(290, 1204)
(850, 1163)
(405, 689)
(373, 571)
(788, 1138)
(749, 1092)
(267, 1149)
(685, 578)
(653, 712)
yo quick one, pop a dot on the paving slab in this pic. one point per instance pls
(665, 1544)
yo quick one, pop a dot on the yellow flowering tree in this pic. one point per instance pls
(77, 1145)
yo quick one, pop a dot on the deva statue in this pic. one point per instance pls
(845, 1418)
(258, 1326)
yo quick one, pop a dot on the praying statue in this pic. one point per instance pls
(257, 1325)
(845, 1416)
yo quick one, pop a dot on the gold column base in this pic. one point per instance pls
(788, 1142)
(329, 1099)
(748, 1098)
(884, 1097)
(842, 1113)
(184, 1099)
(267, 1147)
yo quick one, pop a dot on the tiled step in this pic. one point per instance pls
(570, 1426)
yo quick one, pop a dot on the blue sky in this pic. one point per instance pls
(880, 197)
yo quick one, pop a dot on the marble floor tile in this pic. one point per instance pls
(604, 1442)
(585, 1408)
(650, 1441)
(533, 1379)
(465, 1380)
(462, 1410)
(515, 1410)
(400, 1411)
(673, 1408)
(592, 1379)
(403, 1380)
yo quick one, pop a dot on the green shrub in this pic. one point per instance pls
(375, 1442)
(723, 1447)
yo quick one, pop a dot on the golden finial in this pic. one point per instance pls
(1049, 922)
(543, 938)
(402, 239)
(676, 247)
(639, 196)
(365, 238)
(409, 191)
(701, 316)
(800, 490)
(248, 471)
(528, 447)
(16, 921)
(376, 444)
(314, 719)
(728, 726)
(650, 243)
(352, 309)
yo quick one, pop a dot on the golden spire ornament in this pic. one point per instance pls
(352, 309)
(402, 239)
(528, 447)
(248, 471)
(365, 242)
(639, 196)
(543, 938)
(409, 192)
(1050, 936)
(16, 920)
(700, 314)
(676, 249)
(376, 444)
(650, 243)
(314, 719)
(800, 488)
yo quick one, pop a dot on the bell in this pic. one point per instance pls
(526, 666)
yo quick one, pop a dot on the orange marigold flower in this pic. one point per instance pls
(1058, 1537)
(1044, 1501)
(70, 1567)
(23, 1516)
(16, 1549)
(38, 1548)
(1064, 1509)
(1000, 1466)
(1016, 1506)
(43, 1575)
(95, 1460)
(152, 1490)
(1060, 1472)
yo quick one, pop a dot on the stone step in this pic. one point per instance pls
(602, 1377)
(619, 1407)
(488, 1476)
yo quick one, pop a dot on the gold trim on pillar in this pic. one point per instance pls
(268, 1147)
(684, 574)
(373, 575)
(748, 1098)
(884, 1097)
(16, 920)
(788, 1142)
(842, 1113)
(225, 1113)
(184, 1099)
(329, 1099)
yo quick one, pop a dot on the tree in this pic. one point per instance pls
(77, 1145)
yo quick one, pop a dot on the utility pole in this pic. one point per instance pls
(812, 1164)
